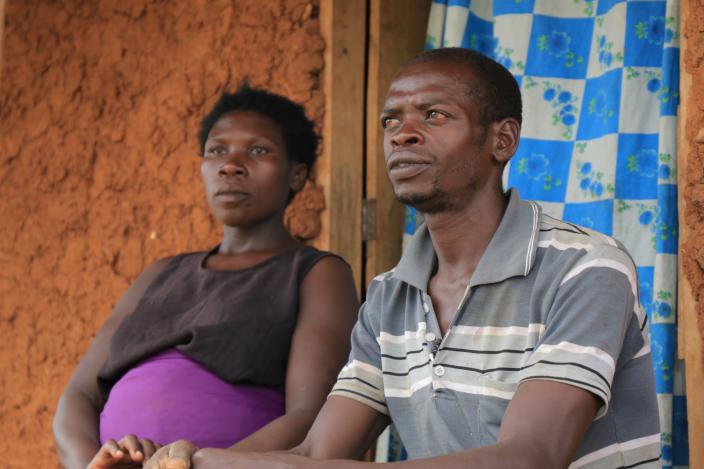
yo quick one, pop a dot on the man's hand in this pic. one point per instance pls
(127, 453)
(176, 455)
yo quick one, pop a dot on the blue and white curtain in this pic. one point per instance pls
(599, 80)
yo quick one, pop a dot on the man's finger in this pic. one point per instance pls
(180, 453)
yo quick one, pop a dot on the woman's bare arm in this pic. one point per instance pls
(319, 349)
(76, 418)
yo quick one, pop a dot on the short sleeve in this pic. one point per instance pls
(594, 308)
(361, 379)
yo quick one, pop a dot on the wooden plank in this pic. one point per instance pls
(396, 33)
(340, 170)
(690, 332)
(2, 32)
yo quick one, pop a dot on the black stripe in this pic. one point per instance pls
(406, 373)
(640, 463)
(575, 364)
(560, 229)
(487, 352)
(393, 357)
(559, 378)
(361, 380)
(361, 395)
(576, 228)
(489, 370)
(645, 319)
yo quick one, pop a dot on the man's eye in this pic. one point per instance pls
(257, 150)
(387, 122)
(436, 115)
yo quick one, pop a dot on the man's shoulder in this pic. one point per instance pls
(577, 241)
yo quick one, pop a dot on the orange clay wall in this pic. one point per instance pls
(99, 106)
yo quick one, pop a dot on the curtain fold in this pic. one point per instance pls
(599, 80)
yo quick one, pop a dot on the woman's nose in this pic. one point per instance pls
(233, 166)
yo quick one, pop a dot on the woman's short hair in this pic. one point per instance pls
(297, 130)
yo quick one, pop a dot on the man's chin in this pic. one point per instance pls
(424, 203)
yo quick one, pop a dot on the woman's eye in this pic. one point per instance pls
(258, 150)
(215, 151)
(387, 122)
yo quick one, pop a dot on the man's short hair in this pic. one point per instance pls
(496, 92)
(296, 129)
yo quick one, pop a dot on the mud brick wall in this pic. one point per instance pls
(99, 176)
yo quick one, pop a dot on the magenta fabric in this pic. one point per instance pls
(169, 396)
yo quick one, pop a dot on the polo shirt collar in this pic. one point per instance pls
(510, 253)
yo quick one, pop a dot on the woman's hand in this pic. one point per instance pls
(176, 455)
(127, 453)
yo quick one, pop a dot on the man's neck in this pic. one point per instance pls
(460, 237)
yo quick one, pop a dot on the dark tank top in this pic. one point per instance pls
(236, 323)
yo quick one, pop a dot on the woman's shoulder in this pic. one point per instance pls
(310, 257)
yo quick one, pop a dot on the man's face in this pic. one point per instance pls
(437, 151)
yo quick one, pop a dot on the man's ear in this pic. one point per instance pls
(506, 136)
(298, 176)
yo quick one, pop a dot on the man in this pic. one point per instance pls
(503, 338)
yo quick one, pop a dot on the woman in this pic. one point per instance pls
(235, 346)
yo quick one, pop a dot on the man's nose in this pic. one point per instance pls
(233, 165)
(406, 134)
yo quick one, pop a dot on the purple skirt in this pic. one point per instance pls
(169, 397)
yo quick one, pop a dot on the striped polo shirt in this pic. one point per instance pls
(549, 300)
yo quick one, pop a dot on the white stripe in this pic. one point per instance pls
(401, 339)
(384, 276)
(407, 392)
(473, 389)
(499, 331)
(574, 348)
(364, 366)
(564, 246)
(616, 448)
(532, 237)
(609, 263)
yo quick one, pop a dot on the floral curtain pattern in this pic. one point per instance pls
(599, 80)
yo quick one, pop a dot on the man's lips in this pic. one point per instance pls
(404, 165)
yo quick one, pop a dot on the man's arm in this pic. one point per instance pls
(542, 428)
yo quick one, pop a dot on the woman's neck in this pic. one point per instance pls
(270, 237)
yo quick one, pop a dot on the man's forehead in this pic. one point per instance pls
(432, 81)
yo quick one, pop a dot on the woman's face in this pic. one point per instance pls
(246, 171)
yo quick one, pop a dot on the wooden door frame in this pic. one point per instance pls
(363, 221)
(340, 168)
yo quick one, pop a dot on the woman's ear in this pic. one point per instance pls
(298, 176)
(506, 136)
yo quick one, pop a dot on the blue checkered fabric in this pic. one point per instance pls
(599, 80)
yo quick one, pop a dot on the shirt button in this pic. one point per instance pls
(429, 337)
(439, 370)
(425, 307)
